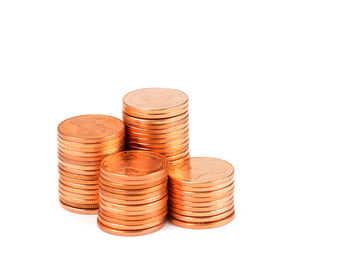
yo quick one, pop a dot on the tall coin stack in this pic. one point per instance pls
(133, 193)
(83, 141)
(201, 193)
(156, 119)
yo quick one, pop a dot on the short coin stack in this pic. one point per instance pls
(133, 193)
(83, 141)
(156, 119)
(201, 193)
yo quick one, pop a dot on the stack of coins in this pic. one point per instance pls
(133, 193)
(156, 119)
(201, 193)
(83, 141)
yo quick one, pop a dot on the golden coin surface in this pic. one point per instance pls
(202, 225)
(129, 232)
(90, 128)
(134, 163)
(201, 171)
(155, 100)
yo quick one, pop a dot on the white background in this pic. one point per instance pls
(268, 83)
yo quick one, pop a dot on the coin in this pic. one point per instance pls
(201, 214)
(202, 225)
(129, 232)
(90, 128)
(78, 210)
(126, 218)
(155, 102)
(159, 217)
(201, 219)
(201, 171)
(116, 225)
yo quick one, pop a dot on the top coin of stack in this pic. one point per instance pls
(156, 119)
(201, 193)
(133, 193)
(83, 141)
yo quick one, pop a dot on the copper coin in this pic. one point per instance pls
(176, 201)
(201, 171)
(136, 218)
(228, 193)
(133, 209)
(160, 187)
(132, 197)
(165, 151)
(90, 128)
(79, 181)
(78, 210)
(115, 180)
(202, 219)
(89, 153)
(201, 209)
(201, 214)
(133, 164)
(130, 227)
(86, 149)
(78, 200)
(151, 122)
(202, 225)
(78, 186)
(78, 162)
(179, 186)
(155, 132)
(131, 186)
(157, 136)
(78, 204)
(114, 142)
(77, 196)
(160, 115)
(129, 232)
(78, 176)
(79, 167)
(183, 121)
(155, 101)
(167, 145)
(165, 114)
(179, 156)
(78, 171)
(160, 217)
(80, 158)
(206, 194)
(78, 191)
(150, 141)
(132, 202)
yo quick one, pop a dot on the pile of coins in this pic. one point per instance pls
(201, 193)
(156, 119)
(83, 141)
(133, 193)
